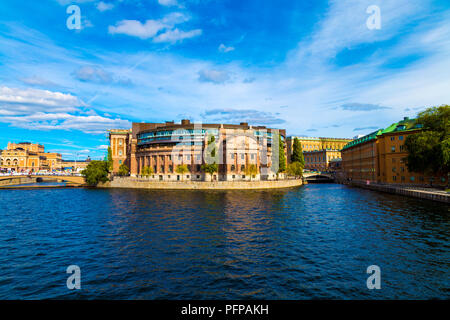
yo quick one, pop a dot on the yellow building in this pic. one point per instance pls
(26, 156)
(320, 159)
(318, 152)
(380, 157)
(120, 141)
(315, 143)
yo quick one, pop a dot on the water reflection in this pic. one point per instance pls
(314, 241)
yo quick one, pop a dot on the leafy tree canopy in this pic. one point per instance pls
(281, 155)
(297, 152)
(429, 150)
(182, 169)
(295, 169)
(210, 168)
(123, 170)
(96, 172)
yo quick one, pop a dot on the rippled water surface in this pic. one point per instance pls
(314, 241)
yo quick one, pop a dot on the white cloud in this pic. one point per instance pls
(224, 48)
(46, 110)
(103, 6)
(168, 3)
(177, 35)
(214, 76)
(137, 29)
(151, 28)
(93, 74)
(38, 81)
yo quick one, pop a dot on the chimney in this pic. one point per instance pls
(185, 121)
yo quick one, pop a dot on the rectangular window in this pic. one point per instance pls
(400, 137)
(393, 148)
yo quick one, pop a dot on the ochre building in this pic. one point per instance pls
(26, 156)
(242, 152)
(318, 152)
(380, 157)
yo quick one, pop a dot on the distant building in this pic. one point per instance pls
(75, 165)
(380, 157)
(26, 156)
(164, 146)
(318, 152)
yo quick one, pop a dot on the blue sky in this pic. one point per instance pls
(311, 67)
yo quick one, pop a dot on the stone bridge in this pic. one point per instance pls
(16, 180)
(318, 176)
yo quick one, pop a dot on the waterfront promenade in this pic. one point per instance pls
(410, 191)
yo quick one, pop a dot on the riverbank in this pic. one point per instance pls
(410, 191)
(142, 183)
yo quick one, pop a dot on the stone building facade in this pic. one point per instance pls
(30, 157)
(380, 157)
(165, 146)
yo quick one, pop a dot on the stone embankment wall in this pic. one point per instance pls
(15, 181)
(142, 183)
(416, 192)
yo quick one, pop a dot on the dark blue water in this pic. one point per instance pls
(315, 241)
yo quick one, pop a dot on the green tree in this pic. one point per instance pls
(297, 152)
(110, 160)
(95, 172)
(429, 149)
(147, 171)
(211, 150)
(295, 169)
(123, 170)
(210, 168)
(182, 169)
(251, 170)
(281, 155)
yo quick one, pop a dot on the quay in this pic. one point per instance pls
(145, 183)
(410, 191)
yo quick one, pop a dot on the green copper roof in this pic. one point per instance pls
(369, 137)
(405, 125)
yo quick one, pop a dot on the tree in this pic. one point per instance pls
(95, 172)
(182, 169)
(429, 150)
(147, 171)
(297, 152)
(210, 168)
(251, 170)
(281, 156)
(295, 169)
(110, 160)
(123, 170)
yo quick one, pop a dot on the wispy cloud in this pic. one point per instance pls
(177, 35)
(224, 48)
(362, 107)
(46, 110)
(103, 6)
(161, 30)
(214, 76)
(366, 128)
(251, 116)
